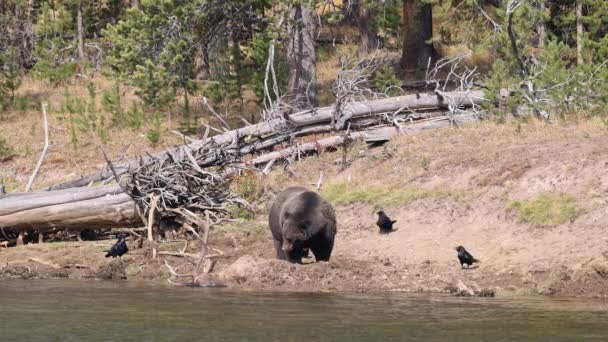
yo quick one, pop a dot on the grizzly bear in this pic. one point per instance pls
(300, 219)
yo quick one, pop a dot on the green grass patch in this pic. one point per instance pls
(549, 209)
(238, 211)
(21, 103)
(343, 193)
(247, 185)
(10, 183)
(6, 150)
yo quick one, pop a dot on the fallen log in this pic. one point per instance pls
(109, 207)
(382, 134)
(298, 120)
(374, 135)
(13, 203)
(107, 210)
(391, 104)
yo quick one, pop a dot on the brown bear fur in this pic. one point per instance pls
(301, 219)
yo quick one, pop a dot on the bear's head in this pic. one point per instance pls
(295, 234)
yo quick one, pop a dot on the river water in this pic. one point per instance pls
(121, 311)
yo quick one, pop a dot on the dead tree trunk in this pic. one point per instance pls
(579, 33)
(80, 33)
(201, 63)
(540, 26)
(418, 32)
(301, 56)
(367, 39)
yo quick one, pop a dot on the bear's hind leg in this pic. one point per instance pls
(322, 248)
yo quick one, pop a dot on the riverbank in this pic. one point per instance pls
(526, 198)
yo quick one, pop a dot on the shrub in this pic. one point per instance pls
(134, 118)
(6, 150)
(240, 212)
(10, 77)
(387, 82)
(154, 87)
(153, 134)
(248, 186)
(549, 209)
(110, 102)
(21, 103)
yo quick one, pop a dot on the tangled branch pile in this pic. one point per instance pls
(179, 184)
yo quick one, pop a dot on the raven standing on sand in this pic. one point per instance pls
(119, 248)
(465, 257)
(384, 222)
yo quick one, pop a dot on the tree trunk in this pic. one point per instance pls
(30, 8)
(579, 32)
(541, 29)
(302, 83)
(135, 4)
(367, 39)
(80, 33)
(201, 63)
(418, 32)
(236, 68)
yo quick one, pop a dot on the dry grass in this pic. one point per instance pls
(23, 131)
(483, 143)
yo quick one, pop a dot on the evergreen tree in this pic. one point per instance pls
(55, 56)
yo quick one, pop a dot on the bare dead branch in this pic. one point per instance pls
(153, 202)
(45, 263)
(44, 150)
(219, 117)
(268, 167)
(320, 181)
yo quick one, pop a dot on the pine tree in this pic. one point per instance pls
(55, 58)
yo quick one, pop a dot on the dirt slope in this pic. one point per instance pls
(528, 199)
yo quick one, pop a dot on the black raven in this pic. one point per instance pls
(384, 222)
(465, 257)
(119, 248)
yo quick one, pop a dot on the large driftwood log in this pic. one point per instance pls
(101, 207)
(300, 120)
(13, 203)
